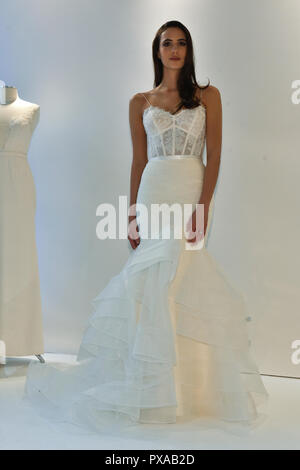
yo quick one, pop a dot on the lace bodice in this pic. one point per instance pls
(182, 133)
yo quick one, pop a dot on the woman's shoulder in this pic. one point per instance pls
(137, 98)
(140, 100)
(209, 90)
(140, 97)
(208, 94)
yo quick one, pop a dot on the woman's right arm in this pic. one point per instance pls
(139, 157)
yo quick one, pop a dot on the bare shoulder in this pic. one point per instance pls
(210, 95)
(138, 102)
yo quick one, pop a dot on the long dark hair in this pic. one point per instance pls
(187, 83)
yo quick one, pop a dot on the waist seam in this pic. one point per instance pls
(174, 157)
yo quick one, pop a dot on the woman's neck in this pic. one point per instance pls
(8, 94)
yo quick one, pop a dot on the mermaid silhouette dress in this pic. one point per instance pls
(167, 337)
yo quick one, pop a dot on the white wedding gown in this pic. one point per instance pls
(167, 338)
(21, 325)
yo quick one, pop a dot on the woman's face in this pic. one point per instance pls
(172, 44)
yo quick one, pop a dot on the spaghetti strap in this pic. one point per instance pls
(146, 98)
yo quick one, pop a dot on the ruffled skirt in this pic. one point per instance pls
(167, 339)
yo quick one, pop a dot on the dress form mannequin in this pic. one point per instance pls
(21, 332)
(8, 94)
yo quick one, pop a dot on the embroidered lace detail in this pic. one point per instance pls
(174, 134)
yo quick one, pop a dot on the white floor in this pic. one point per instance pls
(22, 429)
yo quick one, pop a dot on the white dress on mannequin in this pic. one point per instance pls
(168, 336)
(20, 303)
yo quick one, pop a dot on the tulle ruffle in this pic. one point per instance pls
(141, 361)
(167, 339)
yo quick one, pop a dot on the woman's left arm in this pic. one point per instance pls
(213, 151)
(213, 144)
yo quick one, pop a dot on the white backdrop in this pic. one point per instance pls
(81, 61)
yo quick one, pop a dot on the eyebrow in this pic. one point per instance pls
(169, 39)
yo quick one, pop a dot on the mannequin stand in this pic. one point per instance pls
(40, 358)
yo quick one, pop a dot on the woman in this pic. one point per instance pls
(167, 338)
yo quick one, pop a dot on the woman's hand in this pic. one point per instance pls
(196, 226)
(133, 230)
